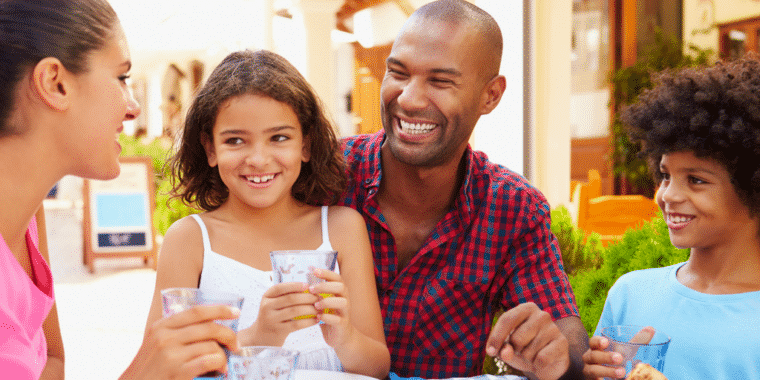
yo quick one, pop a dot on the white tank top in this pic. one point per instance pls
(225, 274)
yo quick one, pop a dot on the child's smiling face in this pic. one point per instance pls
(258, 148)
(700, 204)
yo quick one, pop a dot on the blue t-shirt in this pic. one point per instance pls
(715, 337)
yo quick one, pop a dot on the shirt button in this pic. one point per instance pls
(368, 181)
(372, 191)
(389, 292)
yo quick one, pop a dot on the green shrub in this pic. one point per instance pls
(579, 252)
(645, 247)
(167, 210)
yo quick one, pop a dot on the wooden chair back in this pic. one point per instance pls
(611, 215)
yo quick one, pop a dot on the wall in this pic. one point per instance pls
(550, 99)
(698, 15)
(500, 134)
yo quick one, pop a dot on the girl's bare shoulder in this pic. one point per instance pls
(184, 229)
(344, 218)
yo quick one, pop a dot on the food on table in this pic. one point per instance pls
(644, 371)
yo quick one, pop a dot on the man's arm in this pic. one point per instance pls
(526, 338)
(572, 328)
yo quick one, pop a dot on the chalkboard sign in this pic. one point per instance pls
(118, 214)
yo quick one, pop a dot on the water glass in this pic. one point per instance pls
(323, 359)
(652, 353)
(262, 363)
(175, 300)
(297, 265)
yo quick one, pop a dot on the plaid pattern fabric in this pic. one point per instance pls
(493, 249)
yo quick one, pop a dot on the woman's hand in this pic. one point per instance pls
(185, 345)
(281, 307)
(333, 309)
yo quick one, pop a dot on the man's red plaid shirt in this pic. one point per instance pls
(493, 250)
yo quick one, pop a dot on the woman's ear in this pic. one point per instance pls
(208, 146)
(306, 149)
(52, 83)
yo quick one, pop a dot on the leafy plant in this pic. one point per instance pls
(167, 210)
(645, 247)
(667, 52)
(579, 251)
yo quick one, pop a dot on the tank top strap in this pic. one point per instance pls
(325, 231)
(204, 233)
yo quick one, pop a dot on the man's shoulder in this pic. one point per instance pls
(502, 181)
(358, 142)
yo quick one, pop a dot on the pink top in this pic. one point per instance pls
(24, 305)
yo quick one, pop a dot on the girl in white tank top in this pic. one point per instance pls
(259, 157)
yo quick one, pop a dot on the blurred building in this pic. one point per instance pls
(553, 124)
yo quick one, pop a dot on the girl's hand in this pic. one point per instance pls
(337, 328)
(185, 345)
(599, 363)
(281, 307)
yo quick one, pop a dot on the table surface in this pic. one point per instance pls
(302, 374)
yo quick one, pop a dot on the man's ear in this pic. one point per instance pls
(492, 94)
(208, 146)
(52, 83)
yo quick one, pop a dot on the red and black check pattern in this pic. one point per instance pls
(494, 249)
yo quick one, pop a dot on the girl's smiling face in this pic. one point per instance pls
(700, 204)
(258, 147)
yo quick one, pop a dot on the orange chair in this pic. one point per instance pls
(581, 192)
(611, 215)
(593, 186)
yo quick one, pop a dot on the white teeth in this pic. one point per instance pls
(679, 219)
(260, 179)
(415, 128)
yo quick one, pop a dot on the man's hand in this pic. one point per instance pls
(526, 338)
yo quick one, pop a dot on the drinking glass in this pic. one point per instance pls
(652, 353)
(262, 363)
(298, 266)
(175, 300)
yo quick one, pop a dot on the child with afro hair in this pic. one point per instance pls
(700, 130)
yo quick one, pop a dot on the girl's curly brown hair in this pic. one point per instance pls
(322, 178)
(713, 112)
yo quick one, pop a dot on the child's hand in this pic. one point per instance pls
(337, 328)
(598, 362)
(280, 308)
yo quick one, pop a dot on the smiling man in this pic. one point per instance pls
(456, 237)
